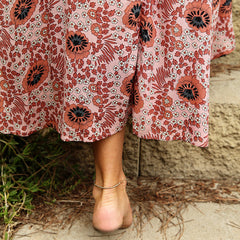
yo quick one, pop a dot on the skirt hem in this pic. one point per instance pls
(223, 53)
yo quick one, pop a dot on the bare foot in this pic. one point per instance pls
(112, 208)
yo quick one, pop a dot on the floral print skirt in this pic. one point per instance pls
(84, 67)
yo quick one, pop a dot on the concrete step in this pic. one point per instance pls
(203, 221)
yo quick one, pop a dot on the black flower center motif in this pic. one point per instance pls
(144, 35)
(22, 9)
(129, 85)
(226, 8)
(188, 91)
(227, 3)
(135, 98)
(76, 43)
(197, 20)
(215, 3)
(200, 19)
(136, 10)
(146, 31)
(134, 14)
(35, 75)
(78, 114)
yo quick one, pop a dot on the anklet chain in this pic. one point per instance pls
(109, 187)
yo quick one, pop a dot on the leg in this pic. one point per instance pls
(112, 208)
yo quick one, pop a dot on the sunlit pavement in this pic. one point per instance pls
(204, 221)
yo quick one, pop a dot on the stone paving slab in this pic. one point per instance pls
(204, 221)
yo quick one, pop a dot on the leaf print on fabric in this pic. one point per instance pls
(167, 7)
(108, 116)
(159, 79)
(19, 106)
(5, 38)
(107, 50)
(60, 62)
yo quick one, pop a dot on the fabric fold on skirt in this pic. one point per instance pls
(84, 67)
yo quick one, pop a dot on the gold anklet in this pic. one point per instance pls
(109, 187)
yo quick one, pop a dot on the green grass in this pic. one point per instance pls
(31, 166)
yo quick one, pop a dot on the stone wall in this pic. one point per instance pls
(176, 159)
(220, 160)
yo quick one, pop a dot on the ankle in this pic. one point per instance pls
(110, 181)
(105, 190)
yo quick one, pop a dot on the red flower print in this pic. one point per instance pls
(78, 116)
(147, 60)
(22, 11)
(56, 85)
(94, 88)
(4, 85)
(97, 100)
(168, 115)
(36, 75)
(177, 30)
(77, 45)
(1, 104)
(127, 85)
(45, 17)
(147, 31)
(190, 89)
(131, 16)
(198, 16)
(225, 8)
(57, 97)
(96, 29)
(92, 13)
(167, 101)
(44, 31)
(179, 45)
